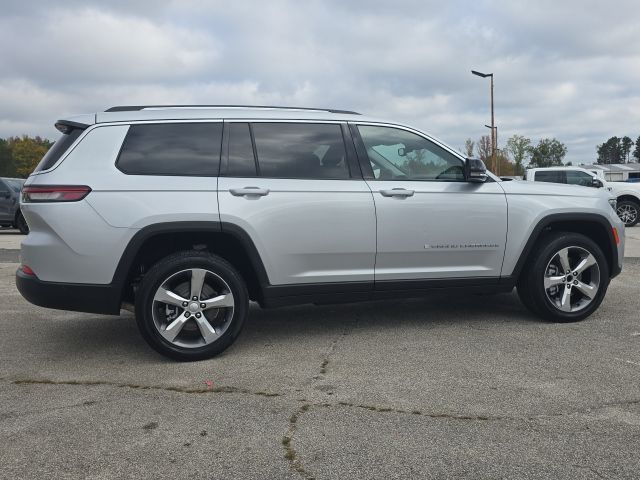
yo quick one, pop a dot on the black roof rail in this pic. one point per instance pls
(134, 108)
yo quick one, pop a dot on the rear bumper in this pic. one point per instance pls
(77, 297)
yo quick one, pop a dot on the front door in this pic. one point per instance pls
(432, 224)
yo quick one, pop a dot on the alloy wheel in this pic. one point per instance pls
(627, 213)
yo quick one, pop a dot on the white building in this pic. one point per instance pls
(615, 172)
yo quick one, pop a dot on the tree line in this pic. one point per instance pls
(518, 153)
(19, 156)
(618, 150)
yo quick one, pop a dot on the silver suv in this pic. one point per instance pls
(188, 213)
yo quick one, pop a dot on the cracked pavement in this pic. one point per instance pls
(440, 387)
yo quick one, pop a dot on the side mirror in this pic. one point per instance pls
(475, 170)
(597, 183)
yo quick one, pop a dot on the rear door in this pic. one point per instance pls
(432, 224)
(296, 189)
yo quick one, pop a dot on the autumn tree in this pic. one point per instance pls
(27, 152)
(549, 152)
(484, 148)
(469, 147)
(7, 169)
(518, 147)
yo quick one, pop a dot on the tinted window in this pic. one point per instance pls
(172, 149)
(58, 149)
(14, 183)
(575, 177)
(300, 150)
(401, 155)
(242, 162)
(549, 176)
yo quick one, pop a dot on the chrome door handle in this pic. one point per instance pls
(397, 192)
(249, 191)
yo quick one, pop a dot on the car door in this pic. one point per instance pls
(432, 224)
(6, 202)
(296, 189)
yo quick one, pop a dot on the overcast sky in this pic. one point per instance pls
(568, 69)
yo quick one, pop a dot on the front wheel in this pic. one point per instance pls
(566, 279)
(191, 305)
(628, 212)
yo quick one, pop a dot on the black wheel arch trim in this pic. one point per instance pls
(614, 268)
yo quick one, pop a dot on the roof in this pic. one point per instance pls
(196, 112)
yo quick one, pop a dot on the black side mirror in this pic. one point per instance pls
(597, 183)
(475, 170)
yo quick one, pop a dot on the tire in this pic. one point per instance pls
(167, 321)
(629, 212)
(21, 224)
(566, 298)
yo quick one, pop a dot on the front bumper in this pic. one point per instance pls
(77, 297)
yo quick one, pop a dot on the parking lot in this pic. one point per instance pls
(465, 387)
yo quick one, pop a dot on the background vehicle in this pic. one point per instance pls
(627, 194)
(187, 213)
(10, 213)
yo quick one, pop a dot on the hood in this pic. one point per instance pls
(517, 187)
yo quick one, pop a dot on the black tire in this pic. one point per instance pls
(21, 224)
(531, 282)
(629, 212)
(178, 264)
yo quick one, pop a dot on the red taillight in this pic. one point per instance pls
(54, 193)
(27, 271)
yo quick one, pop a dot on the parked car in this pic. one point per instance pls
(627, 194)
(10, 213)
(185, 214)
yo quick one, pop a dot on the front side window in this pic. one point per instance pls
(300, 150)
(172, 149)
(575, 177)
(397, 154)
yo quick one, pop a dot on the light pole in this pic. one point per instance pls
(494, 147)
(493, 136)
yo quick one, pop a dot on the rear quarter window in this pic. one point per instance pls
(178, 149)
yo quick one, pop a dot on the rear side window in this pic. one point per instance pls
(185, 149)
(58, 149)
(242, 162)
(550, 176)
(300, 150)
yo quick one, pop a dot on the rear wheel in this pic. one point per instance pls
(21, 224)
(191, 305)
(567, 278)
(629, 212)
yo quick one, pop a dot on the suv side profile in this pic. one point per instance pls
(186, 214)
(10, 213)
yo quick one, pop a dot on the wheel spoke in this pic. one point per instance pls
(587, 290)
(563, 255)
(206, 330)
(585, 263)
(565, 303)
(197, 281)
(552, 281)
(174, 328)
(167, 296)
(220, 301)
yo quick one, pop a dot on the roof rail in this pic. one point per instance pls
(134, 108)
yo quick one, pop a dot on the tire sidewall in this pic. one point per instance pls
(536, 282)
(158, 274)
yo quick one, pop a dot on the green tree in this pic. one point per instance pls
(27, 152)
(469, 146)
(626, 144)
(518, 147)
(7, 168)
(549, 152)
(610, 151)
(636, 152)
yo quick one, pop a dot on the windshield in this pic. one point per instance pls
(14, 183)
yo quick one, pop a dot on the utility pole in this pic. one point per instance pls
(494, 136)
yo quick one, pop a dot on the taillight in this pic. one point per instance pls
(54, 193)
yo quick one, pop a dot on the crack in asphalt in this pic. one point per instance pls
(290, 453)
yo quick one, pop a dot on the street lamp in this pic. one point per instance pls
(494, 147)
(493, 127)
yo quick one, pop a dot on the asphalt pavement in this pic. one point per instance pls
(441, 387)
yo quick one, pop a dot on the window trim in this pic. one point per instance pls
(365, 163)
(164, 122)
(354, 172)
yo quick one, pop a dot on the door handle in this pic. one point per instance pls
(397, 192)
(249, 191)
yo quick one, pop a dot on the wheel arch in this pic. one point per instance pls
(627, 197)
(155, 242)
(592, 225)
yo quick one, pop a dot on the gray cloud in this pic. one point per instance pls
(564, 69)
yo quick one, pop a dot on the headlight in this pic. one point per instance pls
(613, 202)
